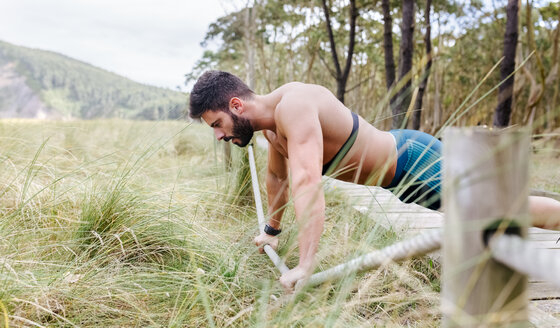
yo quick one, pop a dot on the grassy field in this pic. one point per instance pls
(134, 224)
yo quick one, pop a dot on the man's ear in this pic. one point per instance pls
(236, 105)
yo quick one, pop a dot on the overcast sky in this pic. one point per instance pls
(151, 41)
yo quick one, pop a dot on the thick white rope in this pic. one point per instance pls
(415, 246)
(260, 214)
(545, 193)
(519, 255)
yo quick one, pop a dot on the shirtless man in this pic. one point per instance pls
(311, 133)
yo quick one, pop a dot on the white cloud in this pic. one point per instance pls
(153, 42)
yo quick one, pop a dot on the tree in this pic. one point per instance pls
(505, 96)
(291, 43)
(417, 114)
(399, 103)
(388, 51)
(242, 191)
(405, 63)
(340, 75)
(555, 70)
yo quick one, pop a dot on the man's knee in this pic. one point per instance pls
(545, 212)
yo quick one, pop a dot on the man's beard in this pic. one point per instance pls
(242, 130)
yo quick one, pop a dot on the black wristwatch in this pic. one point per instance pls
(271, 231)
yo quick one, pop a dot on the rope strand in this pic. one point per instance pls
(519, 255)
(415, 246)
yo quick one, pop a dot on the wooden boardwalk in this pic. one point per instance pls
(412, 219)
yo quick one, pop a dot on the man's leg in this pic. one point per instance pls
(545, 212)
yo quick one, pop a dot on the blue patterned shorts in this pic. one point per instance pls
(418, 174)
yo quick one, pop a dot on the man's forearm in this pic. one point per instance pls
(309, 203)
(277, 190)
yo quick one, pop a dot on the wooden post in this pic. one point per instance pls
(485, 180)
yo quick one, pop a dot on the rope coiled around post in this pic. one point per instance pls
(519, 255)
(415, 246)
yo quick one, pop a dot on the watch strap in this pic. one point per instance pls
(271, 231)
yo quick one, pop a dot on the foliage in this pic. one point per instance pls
(292, 44)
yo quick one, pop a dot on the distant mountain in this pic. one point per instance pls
(43, 84)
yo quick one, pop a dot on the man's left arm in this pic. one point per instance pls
(302, 129)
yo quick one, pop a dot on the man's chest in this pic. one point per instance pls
(277, 141)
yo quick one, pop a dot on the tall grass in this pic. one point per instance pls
(98, 221)
(131, 224)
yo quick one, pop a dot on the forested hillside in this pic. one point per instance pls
(42, 84)
(420, 63)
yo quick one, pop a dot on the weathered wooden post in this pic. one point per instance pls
(485, 189)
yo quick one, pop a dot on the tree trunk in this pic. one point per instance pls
(242, 188)
(417, 115)
(405, 64)
(503, 110)
(388, 47)
(556, 66)
(250, 46)
(340, 75)
(437, 86)
(537, 89)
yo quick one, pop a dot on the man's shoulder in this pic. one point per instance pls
(294, 85)
(293, 89)
(295, 105)
(299, 104)
(296, 96)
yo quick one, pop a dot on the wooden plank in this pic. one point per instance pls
(551, 307)
(545, 236)
(544, 239)
(539, 290)
(540, 318)
(537, 231)
(416, 224)
(402, 222)
(545, 245)
(420, 217)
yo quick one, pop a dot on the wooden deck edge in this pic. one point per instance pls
(540, 318)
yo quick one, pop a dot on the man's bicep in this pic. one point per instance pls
(303, 132)
(306, 158)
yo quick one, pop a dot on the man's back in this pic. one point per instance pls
(370, 159)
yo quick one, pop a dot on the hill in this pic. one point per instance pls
(42, 84)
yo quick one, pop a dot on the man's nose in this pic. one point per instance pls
(219, 134)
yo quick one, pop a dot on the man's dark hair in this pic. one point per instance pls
(213, 91)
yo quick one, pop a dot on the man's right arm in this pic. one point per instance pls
(277, 191)
(276, 186)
